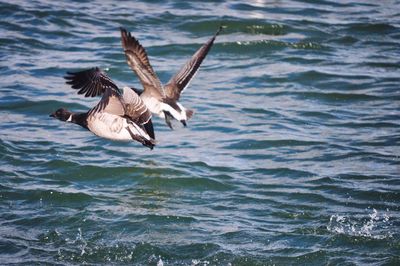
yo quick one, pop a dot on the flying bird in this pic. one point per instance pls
(119, 115)
(163, 100)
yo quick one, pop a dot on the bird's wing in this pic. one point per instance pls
(92, 82)
(135, 108)
(137, 59)
(182, 79)
(111, 102)
(136, 111)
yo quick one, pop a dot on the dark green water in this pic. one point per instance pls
(291, 158)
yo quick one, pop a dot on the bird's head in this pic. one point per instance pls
(62, 114)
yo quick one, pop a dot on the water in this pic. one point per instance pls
(292, 156)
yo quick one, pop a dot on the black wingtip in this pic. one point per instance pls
(91, 82)
(126, 35)
(126, 38)
(221, 27)
(149, 143)
(69, 76)
(72, 75)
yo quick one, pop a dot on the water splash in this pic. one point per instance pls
(372, 226)
(155, 260)
(196, 262)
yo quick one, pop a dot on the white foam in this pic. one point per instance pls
(361, 226)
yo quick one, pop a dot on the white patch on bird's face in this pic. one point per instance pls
(69, 118)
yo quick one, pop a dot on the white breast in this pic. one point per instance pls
(109, 126)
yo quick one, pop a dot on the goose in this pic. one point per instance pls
(119, 115)
(163, 100)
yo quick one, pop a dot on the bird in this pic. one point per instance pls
(163, 100)
(119, 115)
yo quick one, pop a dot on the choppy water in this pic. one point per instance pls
(292, 156)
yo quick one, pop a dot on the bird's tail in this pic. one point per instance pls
(141, 137)
(189, 113)
(150, 143)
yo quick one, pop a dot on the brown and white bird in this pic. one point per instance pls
(120, 115)
(163, 100)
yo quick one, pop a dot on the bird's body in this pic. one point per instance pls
(114, 127)
(163, 100)
(126, 115)
(165, 108)
(120, 115)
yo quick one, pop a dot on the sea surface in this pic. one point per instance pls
(291, 158)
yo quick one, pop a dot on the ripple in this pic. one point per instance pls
(292, 156)
(254, 27)
(337, 96)
(196, 184)
(371, 28)
(254, 46)
(263, 144)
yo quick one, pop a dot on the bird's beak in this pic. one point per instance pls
(52, 115)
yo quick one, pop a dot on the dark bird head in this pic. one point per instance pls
(61, 114)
